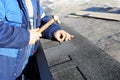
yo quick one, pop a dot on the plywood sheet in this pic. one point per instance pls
(110, 16)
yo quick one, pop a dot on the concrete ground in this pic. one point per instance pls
(94, 53)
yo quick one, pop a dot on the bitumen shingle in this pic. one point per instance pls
(93, 54)
(79, 59)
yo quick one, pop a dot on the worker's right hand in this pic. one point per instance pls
(34, 36)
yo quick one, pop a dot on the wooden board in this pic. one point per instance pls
(101, 15)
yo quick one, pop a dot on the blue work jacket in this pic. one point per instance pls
(14, 36)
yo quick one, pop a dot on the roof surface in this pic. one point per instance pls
(94, 52)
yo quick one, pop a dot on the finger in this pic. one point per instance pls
(72, 36)
(37, 38)
(40, 35)
(36, 29)
(59, 39)
(63, 36)
(67, 37)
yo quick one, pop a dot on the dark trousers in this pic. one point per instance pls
(31, 71)
(37, 67)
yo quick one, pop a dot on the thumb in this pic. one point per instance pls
(36, 29)
(40, 35)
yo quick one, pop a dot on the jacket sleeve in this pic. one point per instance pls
(13, 37)
(49, 32)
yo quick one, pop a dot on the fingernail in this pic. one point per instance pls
(66, 39)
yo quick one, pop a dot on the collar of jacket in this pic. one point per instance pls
(34, 4)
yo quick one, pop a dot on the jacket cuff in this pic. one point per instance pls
(54, 28)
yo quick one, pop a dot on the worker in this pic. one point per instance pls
(20, 21)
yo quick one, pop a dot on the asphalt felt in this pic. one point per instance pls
(79, 59)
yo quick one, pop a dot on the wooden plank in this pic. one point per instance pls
(110, 16)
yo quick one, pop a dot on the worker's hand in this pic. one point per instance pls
(34, 36)
(62, 35)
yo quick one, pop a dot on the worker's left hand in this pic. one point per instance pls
(62, 35)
